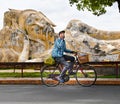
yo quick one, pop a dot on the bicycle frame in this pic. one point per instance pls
(85, 74)
(76, 63)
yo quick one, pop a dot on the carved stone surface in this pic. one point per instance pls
(104, 44)
(28, 35)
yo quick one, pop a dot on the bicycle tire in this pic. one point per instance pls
(86, 75)
(46, 73)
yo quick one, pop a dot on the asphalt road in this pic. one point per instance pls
(62, 94)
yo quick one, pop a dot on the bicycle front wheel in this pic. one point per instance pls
(49, 74)
(86, 75)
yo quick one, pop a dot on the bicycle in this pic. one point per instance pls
(85, 74)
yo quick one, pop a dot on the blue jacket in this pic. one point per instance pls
(60, 48)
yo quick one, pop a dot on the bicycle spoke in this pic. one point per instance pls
(48, 76)
(86, 76)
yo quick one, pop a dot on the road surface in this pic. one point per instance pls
(62, 94)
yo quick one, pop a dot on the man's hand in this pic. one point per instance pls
(74, 52)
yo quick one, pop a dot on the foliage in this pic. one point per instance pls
(97, 7)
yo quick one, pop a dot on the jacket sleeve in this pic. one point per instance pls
(67, 50)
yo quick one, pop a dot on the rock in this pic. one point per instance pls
(28, 36)
(27, 32)
(106, 44)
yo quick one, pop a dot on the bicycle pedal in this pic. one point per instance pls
(62, 83)
(50, 76)
(72, 73)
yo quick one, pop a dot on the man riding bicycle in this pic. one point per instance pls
(58, 55)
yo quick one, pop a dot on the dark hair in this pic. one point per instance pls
(61, 32)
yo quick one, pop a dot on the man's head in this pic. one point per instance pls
(62, 34)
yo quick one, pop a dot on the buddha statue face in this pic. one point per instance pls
(35, 35)
(38, 27)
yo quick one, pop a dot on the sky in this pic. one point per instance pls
(60, 13)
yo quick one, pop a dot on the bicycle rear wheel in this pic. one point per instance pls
(86, 75)
(49, 74)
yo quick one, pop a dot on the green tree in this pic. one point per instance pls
(97, 7)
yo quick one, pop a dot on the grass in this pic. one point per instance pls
(37, 74)
(108, 76)
(18, 75)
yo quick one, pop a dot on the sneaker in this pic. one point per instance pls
(60, 79)
(72, 73)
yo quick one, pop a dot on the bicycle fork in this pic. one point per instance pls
(85, 74)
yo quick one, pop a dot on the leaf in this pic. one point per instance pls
(97, 7)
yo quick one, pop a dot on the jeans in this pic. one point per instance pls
(64, 61)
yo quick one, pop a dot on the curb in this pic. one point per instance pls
(38, 81)
(115, 81)
(20, 81)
